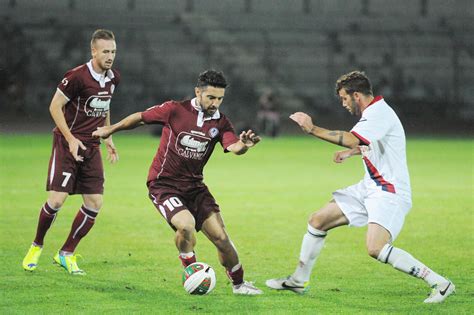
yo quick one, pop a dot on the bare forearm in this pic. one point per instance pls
(341, 138)
(58, 117)
(130, 122)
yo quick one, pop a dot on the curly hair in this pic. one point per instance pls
(213, 78)
(355, 81)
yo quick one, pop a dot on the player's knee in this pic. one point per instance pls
(317, 221)
(185, 228)
(94, 206)
(374, 250)
(55, 203)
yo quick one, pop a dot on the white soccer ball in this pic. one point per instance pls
(199, 278)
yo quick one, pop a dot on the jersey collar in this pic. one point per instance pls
(101, 78)
(375, 100)
(201, 119)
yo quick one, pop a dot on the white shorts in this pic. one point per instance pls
(361, 207)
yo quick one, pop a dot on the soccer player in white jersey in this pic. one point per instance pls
(381, 200)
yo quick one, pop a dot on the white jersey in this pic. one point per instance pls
(383, 149)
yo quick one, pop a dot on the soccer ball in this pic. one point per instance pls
(199, 278)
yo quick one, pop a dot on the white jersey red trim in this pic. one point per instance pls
(383, 149)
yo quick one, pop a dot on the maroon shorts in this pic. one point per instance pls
(171, 197)
(67, 175)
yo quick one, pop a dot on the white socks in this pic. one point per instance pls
(311, 246)
(403, 261)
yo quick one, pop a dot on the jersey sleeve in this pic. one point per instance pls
(371, 128)
(158, 114)
(117, 77)
(70, 85)
(228, 136)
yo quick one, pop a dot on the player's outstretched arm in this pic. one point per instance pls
(247, 139)
(342, 138)
(129, 122)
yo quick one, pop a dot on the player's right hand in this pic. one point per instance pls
(74, 145)
(102, 132)
(340, 156)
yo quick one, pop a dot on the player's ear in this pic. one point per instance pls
(197, 91)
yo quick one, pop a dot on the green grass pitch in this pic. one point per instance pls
(266, 197)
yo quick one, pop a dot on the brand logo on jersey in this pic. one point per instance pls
(97, 105)
(213, 132)
(64, 81)
(191, 146)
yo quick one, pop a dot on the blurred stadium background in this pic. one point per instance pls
(418, 53)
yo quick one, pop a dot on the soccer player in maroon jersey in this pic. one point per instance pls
(191, 130)
(80, 105)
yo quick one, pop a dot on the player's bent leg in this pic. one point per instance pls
(185, 238)
(405, 262)
(46, 218)
(328, 217)
(214, 229)
(376, 238)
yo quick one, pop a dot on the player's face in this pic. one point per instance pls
(103, 52)
(348, 102)
(209, 98)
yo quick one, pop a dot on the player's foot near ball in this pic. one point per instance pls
(69, 263)
(30, 262)
(287, 284)
(440, 292)
(246, 288)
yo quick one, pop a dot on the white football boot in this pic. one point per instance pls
(246, 288)
(440, 292)
(287, 284)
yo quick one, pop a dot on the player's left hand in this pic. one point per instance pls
(112, 154)
(249, 138)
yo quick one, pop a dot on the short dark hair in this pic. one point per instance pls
(355, 81)
(213, 78)
(102, 34)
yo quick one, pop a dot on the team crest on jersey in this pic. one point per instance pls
(97, 105)
(192, 146)
(213, 132)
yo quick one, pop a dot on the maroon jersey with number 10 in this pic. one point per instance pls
(89, 94)
(187, 140)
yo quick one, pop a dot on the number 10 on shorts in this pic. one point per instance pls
(170, 203)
